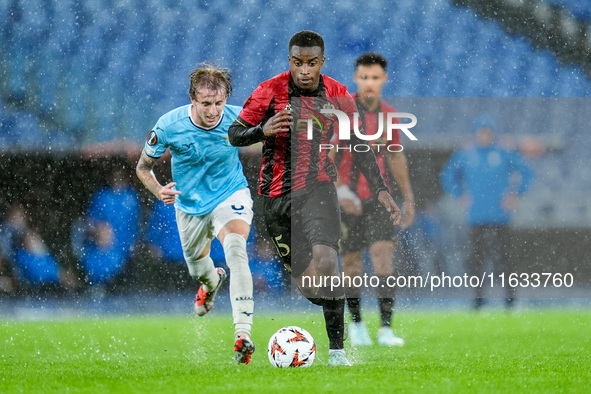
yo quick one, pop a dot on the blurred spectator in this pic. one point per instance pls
(118, 205)
(488, 179)
(7, 280)
(104, 239)
(25, 254)
(101, 258)
(12, 230)
(34, 264)
(164, 243)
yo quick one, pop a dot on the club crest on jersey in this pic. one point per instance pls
(152, 138)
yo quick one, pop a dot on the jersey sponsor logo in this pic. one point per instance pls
(152, 138)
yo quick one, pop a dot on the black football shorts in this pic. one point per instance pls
(296, 223)
(373, 225)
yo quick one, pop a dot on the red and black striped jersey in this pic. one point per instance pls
(349, 168)
(291, 161)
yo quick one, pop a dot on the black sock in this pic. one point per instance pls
(386, 300)
(386, 305)
(354, 305)
(334, 317)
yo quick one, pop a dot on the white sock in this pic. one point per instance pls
(204, 271)
(240, 282)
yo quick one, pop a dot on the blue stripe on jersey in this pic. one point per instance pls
(205, 167)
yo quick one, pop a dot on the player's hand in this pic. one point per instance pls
(408, 214)
(278, 123)
(167, 194)
(388, 203)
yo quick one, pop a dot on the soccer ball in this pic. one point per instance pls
(291, 347)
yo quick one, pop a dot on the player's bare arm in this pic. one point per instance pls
(145, 173)
(398, 165)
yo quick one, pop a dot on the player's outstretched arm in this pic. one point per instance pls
(144, 172)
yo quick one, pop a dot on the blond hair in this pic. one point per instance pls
(210, 76)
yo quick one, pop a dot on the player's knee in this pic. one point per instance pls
(326, 260)
(235, 250)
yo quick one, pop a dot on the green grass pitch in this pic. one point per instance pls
(445, 351)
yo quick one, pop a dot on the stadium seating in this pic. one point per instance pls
(579, 8)
(92, 70)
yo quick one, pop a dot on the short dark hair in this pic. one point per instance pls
(369, 58)
(210, 76)
(307, 39)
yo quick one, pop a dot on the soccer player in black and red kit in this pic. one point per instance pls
(363, 222)
(302, 213)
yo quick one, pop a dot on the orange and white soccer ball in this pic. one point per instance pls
(291, 346)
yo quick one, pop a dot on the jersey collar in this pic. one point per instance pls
(201, 127)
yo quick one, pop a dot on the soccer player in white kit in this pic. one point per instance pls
(210, 194)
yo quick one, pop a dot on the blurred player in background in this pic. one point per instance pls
(296, 181)
(364, 226)
(489, 180)
(210, 193)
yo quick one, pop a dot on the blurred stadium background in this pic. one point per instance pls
(84, 81)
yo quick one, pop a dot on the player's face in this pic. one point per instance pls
(370, 79)
(305, 64)
(208, 107)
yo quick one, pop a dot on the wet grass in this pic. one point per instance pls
(526, 351)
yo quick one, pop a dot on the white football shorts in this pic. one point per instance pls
(196, 231)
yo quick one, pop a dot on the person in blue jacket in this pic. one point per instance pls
(489, 180)
(118, 204)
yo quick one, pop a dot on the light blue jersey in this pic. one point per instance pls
(205, 167)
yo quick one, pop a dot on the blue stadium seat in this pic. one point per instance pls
(144, 51)
(25, 132)
(578, 8)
